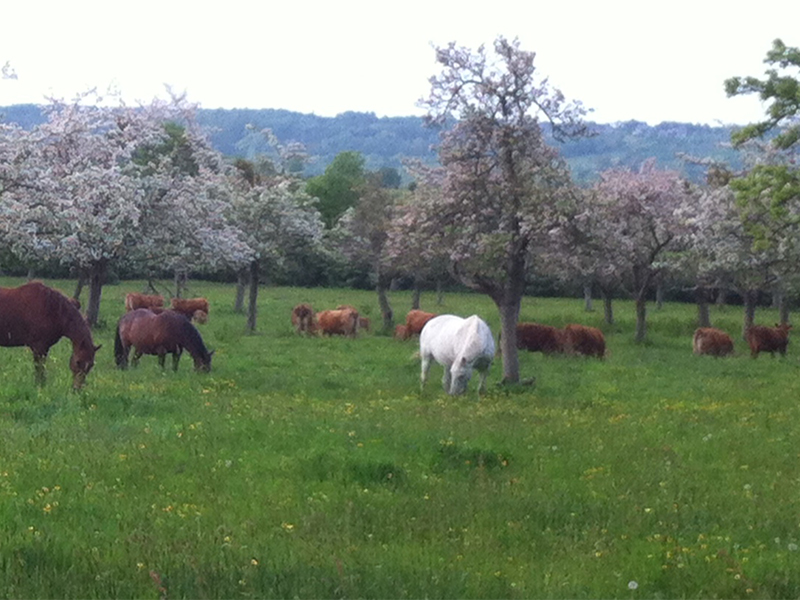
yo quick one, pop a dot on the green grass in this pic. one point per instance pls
(314, 467)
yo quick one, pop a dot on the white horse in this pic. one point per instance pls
(459, 345)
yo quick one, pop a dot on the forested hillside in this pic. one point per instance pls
(385, 141)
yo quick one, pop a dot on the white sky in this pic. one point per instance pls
(627, 59)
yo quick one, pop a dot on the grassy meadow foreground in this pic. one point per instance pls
(313, 468)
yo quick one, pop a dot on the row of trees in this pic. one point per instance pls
(96, 188)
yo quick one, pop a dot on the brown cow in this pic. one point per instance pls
(768, 339)
(189, 306)
(581, 339)
(364, 323)
(415, 321)
(708, 340)
(338, 322)
(400, 332)
(303, 319)
(136, 300)
(535, 337)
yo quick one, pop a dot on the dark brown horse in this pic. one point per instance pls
(37, 316)
(160, 334)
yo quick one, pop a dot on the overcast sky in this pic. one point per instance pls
(644, 60)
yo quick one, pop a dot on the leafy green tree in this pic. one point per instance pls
(781, 89)
(337, 189)
(768, 192)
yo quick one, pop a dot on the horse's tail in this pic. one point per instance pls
(120, 355)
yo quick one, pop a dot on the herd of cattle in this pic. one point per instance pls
(195, 309)
(534, 337)
(708, 340)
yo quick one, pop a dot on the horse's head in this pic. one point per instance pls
(202, 362)
(460, 374)
(81, 362)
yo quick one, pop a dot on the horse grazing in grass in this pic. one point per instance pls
(37, 316)
(459, 345)
(160, 334)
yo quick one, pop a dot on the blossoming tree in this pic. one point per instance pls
(500, 180)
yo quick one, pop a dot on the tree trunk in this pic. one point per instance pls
(97, 274)
(780, 302)
(509, 317)
(383, 302)
(784, 311)
(703, 315)
(416, 294)
(241, 284)
(750, 298)
(587, 297)
(251, 308)
(79, 285)
(641, 318)
(722, 296)
(439, 293)
(660, 295)
(181, 278)
(608, 307)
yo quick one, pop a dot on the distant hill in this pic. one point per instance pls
(385, 141)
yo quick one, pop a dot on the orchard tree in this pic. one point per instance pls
(363, 234)
(579, 250)
(83, 197)
(501, 184)
(414, 245)
(643, 215)
(276, 217)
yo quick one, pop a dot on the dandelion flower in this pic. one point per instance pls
(632, 585)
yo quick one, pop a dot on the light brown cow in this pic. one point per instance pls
(400, 332)
(189, 306)
(338, 322)
(768, 339)
(303, 319)
(136, 300)
(415, 321)
(535, 337)
(581, 339)
(715, 342)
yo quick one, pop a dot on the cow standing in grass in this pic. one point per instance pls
(582, 339)
(415, 321)
(768, 339)
(338, 322)
(535, 337)
(303, 319)
(136, 300)
(189, 308)
(715, 342)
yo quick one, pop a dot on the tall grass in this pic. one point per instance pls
(315, 468)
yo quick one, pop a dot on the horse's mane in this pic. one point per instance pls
(59, 305)
(193, 335)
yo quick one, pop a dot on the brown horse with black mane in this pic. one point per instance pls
(37, 316)
(160, 334)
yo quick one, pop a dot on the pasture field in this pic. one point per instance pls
(313, 468)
